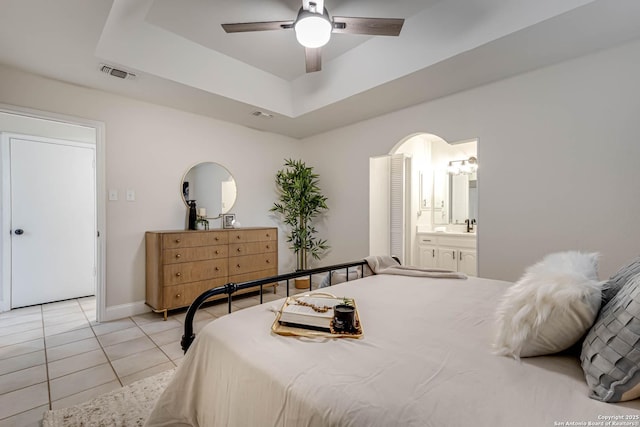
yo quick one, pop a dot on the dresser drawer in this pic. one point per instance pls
(183, 295)
(262, 235)
(241, 249)
(185, 240)
(174, 297)
(194, 271)
(249, 263)
(193, 290)
(201, 253)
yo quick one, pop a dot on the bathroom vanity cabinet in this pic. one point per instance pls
(453, 251)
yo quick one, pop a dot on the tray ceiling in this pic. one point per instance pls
(182, 57)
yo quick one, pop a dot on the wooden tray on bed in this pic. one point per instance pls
(289, 330)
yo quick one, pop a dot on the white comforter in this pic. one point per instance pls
(425, 360)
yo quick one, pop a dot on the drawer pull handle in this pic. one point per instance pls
(268, 247)
(267, 234)
(237, 236)
(268, 261)
(238, 265)
(217, 269)
(177, 240)
(217, 252)
(178, 256)
(426, 240)
(178, 295)
(178, 274)
(217, 238)
(239, 250)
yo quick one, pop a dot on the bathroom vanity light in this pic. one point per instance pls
(466, 167)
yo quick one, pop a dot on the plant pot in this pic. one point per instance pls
(302, 283)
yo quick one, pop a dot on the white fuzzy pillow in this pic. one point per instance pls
(551, 307)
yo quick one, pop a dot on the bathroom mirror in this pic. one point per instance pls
(463, 198)
(455, 198)
(212, 187)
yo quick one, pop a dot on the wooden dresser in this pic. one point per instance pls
(180, 265)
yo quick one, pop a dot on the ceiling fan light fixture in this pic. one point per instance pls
(312, 29)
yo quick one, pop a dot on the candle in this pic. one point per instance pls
(202, 212)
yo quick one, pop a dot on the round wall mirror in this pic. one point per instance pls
(212, 187)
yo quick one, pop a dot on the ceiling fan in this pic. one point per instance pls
(313, 27)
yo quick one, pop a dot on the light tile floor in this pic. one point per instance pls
(56, 355)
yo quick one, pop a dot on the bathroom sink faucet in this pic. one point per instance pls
(470, 223)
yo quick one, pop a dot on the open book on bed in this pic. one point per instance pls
(309, 311)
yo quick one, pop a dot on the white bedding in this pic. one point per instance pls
(425, 360)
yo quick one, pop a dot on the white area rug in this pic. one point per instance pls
(128, 406)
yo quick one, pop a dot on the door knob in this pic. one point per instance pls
(19, 231)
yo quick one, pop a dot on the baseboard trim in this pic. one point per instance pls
(125, 310)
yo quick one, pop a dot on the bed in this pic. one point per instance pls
(425, 359)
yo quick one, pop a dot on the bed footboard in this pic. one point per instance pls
(231, 288)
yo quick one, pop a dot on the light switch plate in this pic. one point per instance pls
(131, 195)
(113, 195)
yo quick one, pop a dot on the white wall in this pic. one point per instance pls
(148, 149)
(557, 147)
(558, 152)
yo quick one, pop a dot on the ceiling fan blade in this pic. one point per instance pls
(369, 26)
(313, 59)
(257, 26)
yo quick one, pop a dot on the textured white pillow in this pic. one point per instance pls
(551, 307)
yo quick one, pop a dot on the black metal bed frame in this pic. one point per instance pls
(231, 288)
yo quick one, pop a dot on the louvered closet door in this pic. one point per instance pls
(399, 188)
(379, 230)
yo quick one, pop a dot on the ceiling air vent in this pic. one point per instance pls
(116, 73)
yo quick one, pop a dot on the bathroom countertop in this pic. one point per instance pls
(448, 233)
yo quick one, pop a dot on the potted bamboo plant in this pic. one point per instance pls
(300, 201)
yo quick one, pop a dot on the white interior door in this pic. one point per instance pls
(53, 220)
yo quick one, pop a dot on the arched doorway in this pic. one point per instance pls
(424, 186)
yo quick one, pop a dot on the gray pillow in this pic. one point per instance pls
(339, 276)
(611, 350)
(618, 280)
